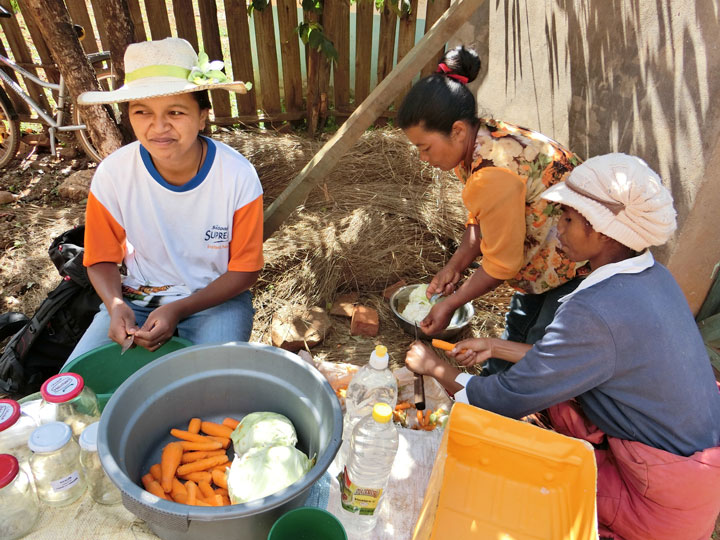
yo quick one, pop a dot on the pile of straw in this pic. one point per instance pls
(380, 216)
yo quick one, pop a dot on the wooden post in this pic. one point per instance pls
(242, 69)
(363, 49)
(185, 21)
(53, 17)
(363, 117)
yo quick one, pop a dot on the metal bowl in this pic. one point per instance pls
(460, 319)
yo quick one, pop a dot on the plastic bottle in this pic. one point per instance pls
(373, 446)
(17, 499)
(373, 383)
(101, 488)
(73, 402)
(55, 464)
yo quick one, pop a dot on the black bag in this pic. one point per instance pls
(41, 345)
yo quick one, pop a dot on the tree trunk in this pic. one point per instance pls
(52, 16)
(120, 30)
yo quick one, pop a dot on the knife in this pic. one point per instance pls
(127, 343)
(419, 384)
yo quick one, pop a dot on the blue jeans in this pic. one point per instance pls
(230, 321)
(527, 318)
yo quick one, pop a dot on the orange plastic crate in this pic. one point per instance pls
(495, 478)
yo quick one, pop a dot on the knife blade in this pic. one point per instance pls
(127, 344)
(419, 388)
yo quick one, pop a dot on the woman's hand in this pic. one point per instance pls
(158, 328)
(444, 281)
(421, 359)
(122, 322)
(438, 318)
(470, 352)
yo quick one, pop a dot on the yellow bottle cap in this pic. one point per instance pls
(381, 350)
(382, 412)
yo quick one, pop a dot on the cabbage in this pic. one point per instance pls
(418, 305)
(260, 429)
(263, 471)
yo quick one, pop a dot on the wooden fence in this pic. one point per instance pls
(283, 90)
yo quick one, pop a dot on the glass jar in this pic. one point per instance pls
(55, 464)
(15, 430)
(101, 488)
(17, 499)
(75, 403)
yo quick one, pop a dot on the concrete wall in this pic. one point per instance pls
(635, 76)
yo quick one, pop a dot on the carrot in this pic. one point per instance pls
(200, 476)
(206, 490)
(151, 485)
(402, 406)
(169, 461)
(192, 491)
(226, 500)
(180, 498)
(218, 430)
(190, 445)
(201, 464)
(194, 456)
(194, 425)
(178, 489)
(222, 440)
(230, 422)
(442, 345)
(426, 421)
(220, 468)
(219, 478)
(156, 472)
(218, 500)
(420, 417)
(201, 502)
(221, 491)
(187, 436)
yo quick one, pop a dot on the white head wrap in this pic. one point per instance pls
(621, 197)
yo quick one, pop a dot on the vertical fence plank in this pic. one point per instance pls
(22, 55)
(38, 40)
(363, 49)
(267, 60)
(211, 45)
(435, 10)
(136, 18)
(290, 54)
(386, 45)
(158, 19)
(240, 53)
(79, 15)
(185, 21)
(100, 24)
(406, 41)
(336, 21)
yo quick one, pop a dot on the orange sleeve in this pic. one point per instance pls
(495, 199)
(104, 237)
(246, 246)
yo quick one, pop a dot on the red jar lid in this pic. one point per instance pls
(9, 413)
(8, 469)
(62, 387)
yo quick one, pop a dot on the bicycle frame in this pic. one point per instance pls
(55, 124)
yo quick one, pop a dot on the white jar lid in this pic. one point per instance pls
(49, 437)
(88, 438)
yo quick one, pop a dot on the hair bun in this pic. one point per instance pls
(461, 62)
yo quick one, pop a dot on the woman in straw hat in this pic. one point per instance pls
(505, 169)
(625, 350)
(182, 213)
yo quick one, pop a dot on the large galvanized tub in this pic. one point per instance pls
(213, 382)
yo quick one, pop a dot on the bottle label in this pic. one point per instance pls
(357, 499)
(6, 411)
(65, 483)
(61, 386)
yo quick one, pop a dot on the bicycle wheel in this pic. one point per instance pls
(82, 136)
(9, 131)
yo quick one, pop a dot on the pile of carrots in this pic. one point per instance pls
(425, 421)
(192, 470)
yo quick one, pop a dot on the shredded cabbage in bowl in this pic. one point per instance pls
(418, 305)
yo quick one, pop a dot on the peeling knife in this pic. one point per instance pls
(419, 384)
(127, 343)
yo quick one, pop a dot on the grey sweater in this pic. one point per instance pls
(628, 349)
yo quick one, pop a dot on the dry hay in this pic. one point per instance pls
(380, 216)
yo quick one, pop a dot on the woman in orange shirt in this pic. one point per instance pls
(505, 169)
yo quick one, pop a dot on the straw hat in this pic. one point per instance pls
(163, 68)
(621, 197)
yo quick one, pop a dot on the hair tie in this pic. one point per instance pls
(444, 69)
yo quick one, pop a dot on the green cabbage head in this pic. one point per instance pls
(260, 429)
(263, 471)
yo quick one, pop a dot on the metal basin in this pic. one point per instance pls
(460, 319)
(212, 382)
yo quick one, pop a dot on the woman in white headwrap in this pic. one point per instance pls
(622, 365)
